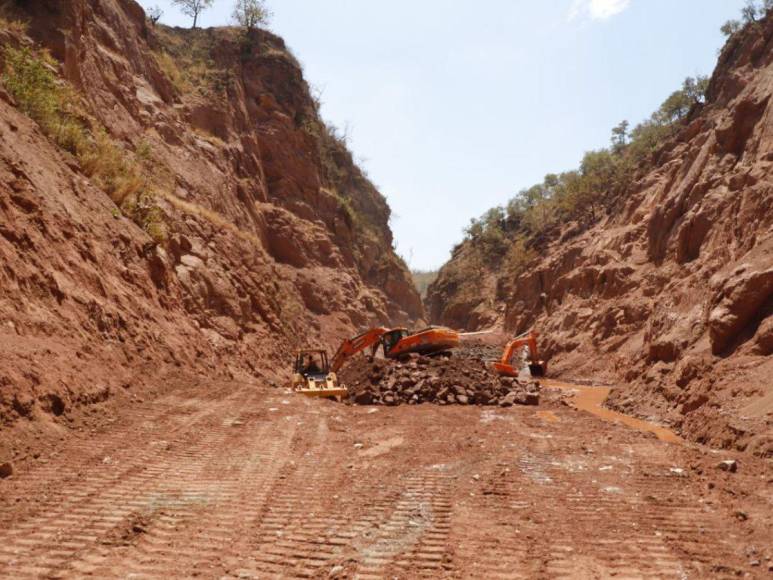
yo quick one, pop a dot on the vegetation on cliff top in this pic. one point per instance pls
(585, 194)
(518, 229)
(500, 245)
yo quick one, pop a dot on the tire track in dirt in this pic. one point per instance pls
(99, 501)
(414, 540)
(197, 536)
(546, 511)
(250, 485)
(321, 517)
(303, 529)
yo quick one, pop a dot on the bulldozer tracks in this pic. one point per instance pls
(243, 483)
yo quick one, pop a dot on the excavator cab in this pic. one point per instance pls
(396, 342)
(312, 375)
(430, 341)
(392, 338)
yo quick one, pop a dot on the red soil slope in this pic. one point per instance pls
(670, 297)
(275, 238)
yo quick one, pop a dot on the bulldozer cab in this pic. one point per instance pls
(312, 363)
(391, 338)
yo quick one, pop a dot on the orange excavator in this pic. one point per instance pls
(526, 343)
(396, 342)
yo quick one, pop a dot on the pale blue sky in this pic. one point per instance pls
(454, 106)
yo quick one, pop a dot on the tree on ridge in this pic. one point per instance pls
(193, 8)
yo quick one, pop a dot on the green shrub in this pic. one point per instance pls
(585, 194)
(30, 77)
(31, 80)
(143, 209)
(172, 72)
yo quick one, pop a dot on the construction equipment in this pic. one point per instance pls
(351, 346)
(313, 377)
(397, 342)
(527, 343)
(432, 340)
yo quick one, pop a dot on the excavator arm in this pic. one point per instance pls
(529, 340)
(352, 346)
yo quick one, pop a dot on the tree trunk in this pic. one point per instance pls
(195, 18)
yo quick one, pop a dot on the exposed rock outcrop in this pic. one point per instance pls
(670, 295)
(275, 238)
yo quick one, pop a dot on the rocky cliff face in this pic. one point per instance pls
(274, 238)
(670, 296)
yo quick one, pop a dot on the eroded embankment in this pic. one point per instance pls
(171, 205)
(662, 286)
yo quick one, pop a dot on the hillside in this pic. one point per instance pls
(660, 283)
(171, 205)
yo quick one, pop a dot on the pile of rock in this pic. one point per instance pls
(442, 381)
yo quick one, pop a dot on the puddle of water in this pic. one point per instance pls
(591, 399)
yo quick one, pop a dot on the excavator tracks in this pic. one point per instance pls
(242, 482)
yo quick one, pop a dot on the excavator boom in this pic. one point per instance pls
(352, 346)
(396, 342)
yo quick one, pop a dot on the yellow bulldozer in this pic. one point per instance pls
(312, 375)
(315, 376)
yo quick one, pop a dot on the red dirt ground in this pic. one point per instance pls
(244, 481)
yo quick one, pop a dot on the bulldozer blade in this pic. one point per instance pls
(324, 393)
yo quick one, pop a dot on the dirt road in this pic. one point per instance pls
(249, 482)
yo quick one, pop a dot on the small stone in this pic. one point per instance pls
(336, 571)
(531, 399)
(476, 477)
(6, 470)
(508, 400)
(729, 465)
(462, 399)
(741, 515)
(358, 445)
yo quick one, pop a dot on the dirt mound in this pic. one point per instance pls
(460, 380)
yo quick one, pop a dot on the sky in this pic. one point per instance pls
(452, 107)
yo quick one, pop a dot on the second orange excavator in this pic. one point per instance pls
(527, 344)
(397, 342)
